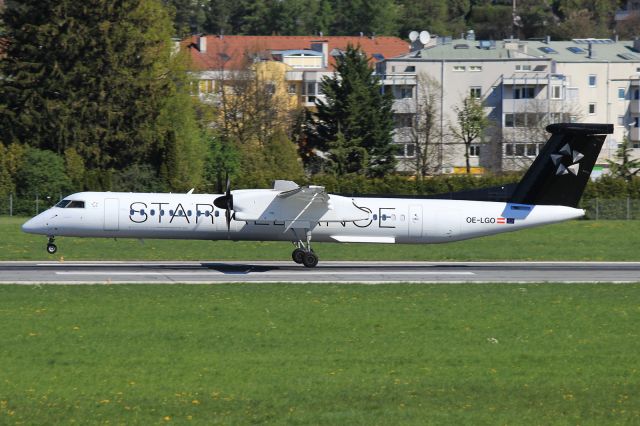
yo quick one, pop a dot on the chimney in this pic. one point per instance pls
(592, 54)
(547, 39)
(323, 47)
(202, 44)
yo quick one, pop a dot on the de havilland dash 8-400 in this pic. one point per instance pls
(549, 192)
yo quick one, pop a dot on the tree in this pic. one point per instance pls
(369, 17)
(94, 78)
(470, 125)
(424, 131)
(356, 107)
(223, 161)
(42, 172)
(624, 167)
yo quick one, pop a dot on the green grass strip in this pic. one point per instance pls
(575, 240)
(320, 354)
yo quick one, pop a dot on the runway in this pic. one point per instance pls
(326, 272)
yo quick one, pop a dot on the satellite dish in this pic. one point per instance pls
(425, 37)
(413, 36)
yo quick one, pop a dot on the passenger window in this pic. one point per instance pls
(142, 212)
(189, 213)
(170, 212)
(161, 212)
(132, 212)
(207, 213)
(152, 212)
(375, 217)
(198, 213)
(217, 213)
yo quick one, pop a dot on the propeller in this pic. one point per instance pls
(226, 202)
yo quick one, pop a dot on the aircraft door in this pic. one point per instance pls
(415, 221)
(111, 214)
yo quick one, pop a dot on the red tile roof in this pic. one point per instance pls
(232, 49)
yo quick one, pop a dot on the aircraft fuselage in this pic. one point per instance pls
(194, 216)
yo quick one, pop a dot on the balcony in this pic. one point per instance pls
(634, 134)
(533, 78)
(634, 106)
(406, 105)
(529, 105)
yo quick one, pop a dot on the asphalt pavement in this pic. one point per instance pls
(326, 272)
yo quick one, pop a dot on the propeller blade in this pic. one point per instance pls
(226, 202)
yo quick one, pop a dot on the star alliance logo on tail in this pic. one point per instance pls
(567, 161)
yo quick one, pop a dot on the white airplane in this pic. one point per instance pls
(548, 193)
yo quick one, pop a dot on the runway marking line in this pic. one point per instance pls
(303, 272)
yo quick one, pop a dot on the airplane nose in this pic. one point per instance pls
(35, 225)
(30, 226)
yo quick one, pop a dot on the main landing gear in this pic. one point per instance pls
(51, 248)
(303, 253)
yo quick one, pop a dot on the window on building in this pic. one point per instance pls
(459, 68)
(474, 150)
(621, 120)
(556, 92)
(523, 67)
(475, 68)
(403, 120)
(475, 92)
(404, 92)
(521, 149)
(410, 68)
(508, 120)
(592, 80)
(293, 89)
(524, 93)
(270, 88)
(621, 93)
(592, 108)
(309, 90)
(636, 94)
(410, 150)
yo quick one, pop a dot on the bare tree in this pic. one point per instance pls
(422, 128)
(470, 125)
(526, 130)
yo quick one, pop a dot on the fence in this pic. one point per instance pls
(13, 205)
(597, 209)
(612, 208)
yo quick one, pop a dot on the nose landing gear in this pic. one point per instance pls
(51, 247)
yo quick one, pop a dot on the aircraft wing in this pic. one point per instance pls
(306, 193)
(290, 202)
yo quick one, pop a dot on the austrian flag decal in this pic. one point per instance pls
(505, 220)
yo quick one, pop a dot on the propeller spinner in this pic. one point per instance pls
(226, 202)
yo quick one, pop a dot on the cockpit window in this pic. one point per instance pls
(70, 204)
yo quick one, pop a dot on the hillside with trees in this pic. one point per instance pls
(491, 19)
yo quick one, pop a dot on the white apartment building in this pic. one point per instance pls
(523, 85)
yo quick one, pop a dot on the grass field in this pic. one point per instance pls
(240, 354)
(575, 240)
